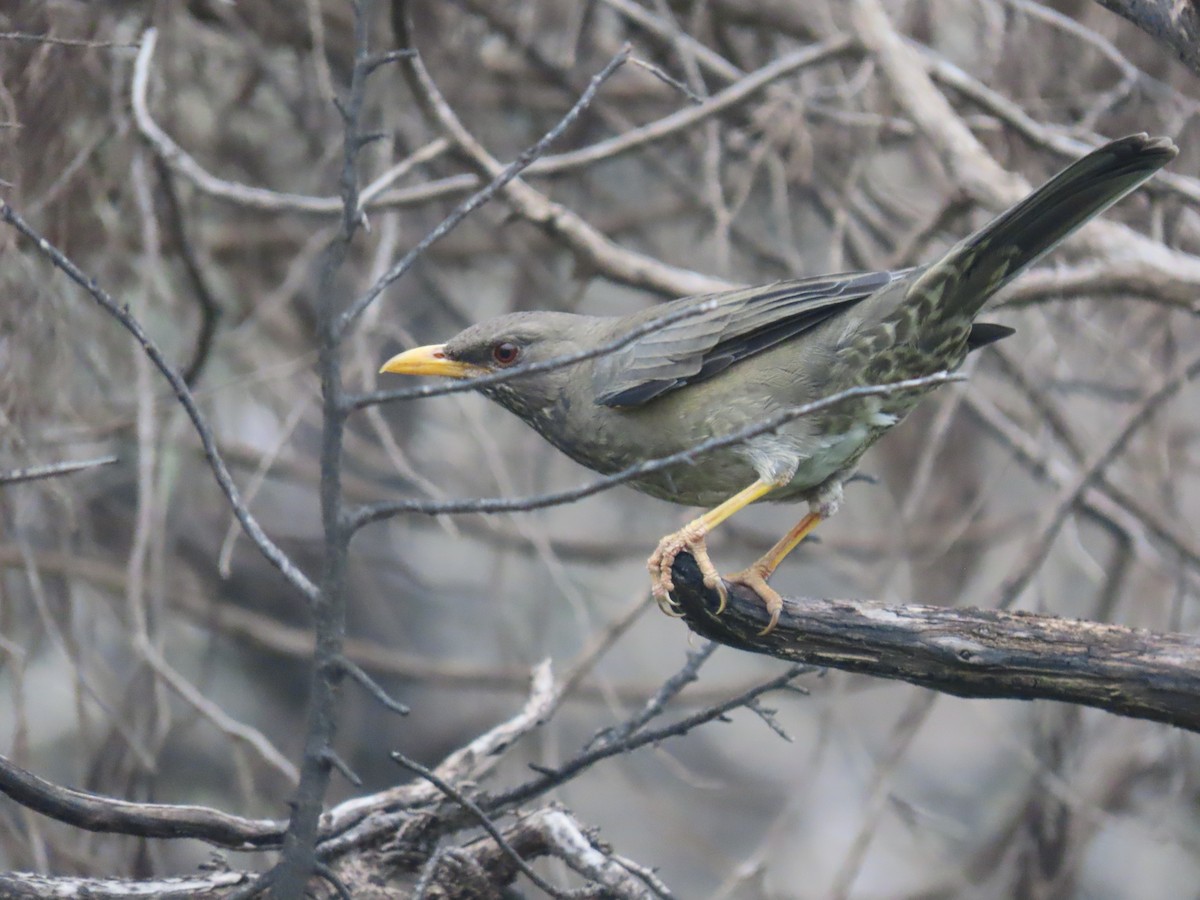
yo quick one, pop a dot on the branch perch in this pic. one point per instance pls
(965, 652)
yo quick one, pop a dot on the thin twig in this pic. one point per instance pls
(183, 394)
(588, 243)
(974, 168)
(183, 163)
(1038, 545)
(347, 824)
(1055, 138)
(549, 365)
(365, 515)
(666, 692)
(482, 196)
(53, 470)
(372, 687)
(481, 818)
(551, 778)
(214, 714)
(27, 38)
(210, 309)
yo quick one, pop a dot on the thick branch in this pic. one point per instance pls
(965, 652)
(153, 820)
(31, 885)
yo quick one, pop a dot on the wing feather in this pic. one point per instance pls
(743, 323)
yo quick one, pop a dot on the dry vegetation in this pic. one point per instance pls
(150, 652)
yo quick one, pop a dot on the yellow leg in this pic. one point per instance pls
(691, 538)
(738, 501)
(756, 575)
(769, 561)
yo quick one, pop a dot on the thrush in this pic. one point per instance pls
(721, 362)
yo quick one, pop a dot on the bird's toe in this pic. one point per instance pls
(771, 598)
(689, 538)
(712, 578)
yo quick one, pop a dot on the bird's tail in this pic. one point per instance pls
(975, 268)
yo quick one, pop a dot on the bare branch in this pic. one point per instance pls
(500, 177)
(975, 169)
(619, 744)
(104, 814)
(965, 652)
(183, 163)
(481, 819)
(549, 365)
(31, 886)
(1038, 545)
(692, 115)
(1062, 141)
(378, 511)
(1174, 24)
(53, 470)
(183, 394)
(26, 37)
(588, 244)
(470, 762)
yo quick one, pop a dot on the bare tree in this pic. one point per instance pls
(268, 626)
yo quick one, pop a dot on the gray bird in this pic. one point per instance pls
(748, 354)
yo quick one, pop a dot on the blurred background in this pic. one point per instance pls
(148, 652)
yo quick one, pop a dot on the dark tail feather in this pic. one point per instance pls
(984, 333)
(974, 269)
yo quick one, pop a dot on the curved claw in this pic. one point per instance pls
(712, 578)
(666, 605)
(671, 608)
(722, 591)
(661, 585)
(774, 609)
(691, 539)
(771, 598)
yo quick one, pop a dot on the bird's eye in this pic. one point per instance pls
(506, 353)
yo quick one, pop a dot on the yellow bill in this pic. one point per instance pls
(430, 360)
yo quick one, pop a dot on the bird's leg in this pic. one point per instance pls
(756, 574)
(691, 537)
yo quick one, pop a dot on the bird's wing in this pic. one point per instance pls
(740, 324)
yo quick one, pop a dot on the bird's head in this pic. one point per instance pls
(508, 342)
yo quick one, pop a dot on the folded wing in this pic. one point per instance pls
(740, 324)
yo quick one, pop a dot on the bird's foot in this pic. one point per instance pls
(755, 578)
(690, 537)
